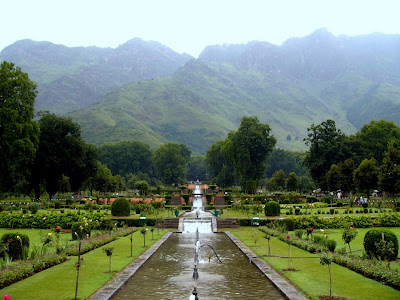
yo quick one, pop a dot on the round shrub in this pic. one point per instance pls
(374, 236)
(57, 204)
(331, 245)
(121, 207)
(80, 230)
(272, 208)
(16, 243)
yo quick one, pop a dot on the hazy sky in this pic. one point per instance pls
(189, 25)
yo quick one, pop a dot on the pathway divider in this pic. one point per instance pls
(107, 291)
(282, 284)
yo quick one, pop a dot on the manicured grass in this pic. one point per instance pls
(312, 277)
(59, 281)
(35, 236)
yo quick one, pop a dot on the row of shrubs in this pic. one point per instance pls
(316, 221)
(25, 268)
(369, 268)
(48, 220)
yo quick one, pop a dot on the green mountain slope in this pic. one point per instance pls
(290, 87)
(73, 78)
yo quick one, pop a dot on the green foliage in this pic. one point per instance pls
(23, 269)
(272, 208)
(327, 147)
(197, 168)
(277, 182)
(127, 157)
(170, 161)
(220, 165)
(61, 150)
(366, 175)
(15, 242)
(19, 134)
(249, 148)
(389, 171)
(287, 161)
(142, 186)
(372, 239)
(121, 207)
(81, 230)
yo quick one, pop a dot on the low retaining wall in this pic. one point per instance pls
(107, 291)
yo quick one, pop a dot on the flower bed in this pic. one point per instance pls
(25, 268)
(47, 220)
(98, 241)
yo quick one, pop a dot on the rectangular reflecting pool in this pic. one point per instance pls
(168, 274)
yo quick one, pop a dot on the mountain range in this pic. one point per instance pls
(146, 91)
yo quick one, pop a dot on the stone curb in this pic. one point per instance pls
(282, 284)
(107, 291)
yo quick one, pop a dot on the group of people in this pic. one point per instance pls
(361, 200)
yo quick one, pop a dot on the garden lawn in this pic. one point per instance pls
(58, 282)
(313, 278)
(35, 236)
(357, 245)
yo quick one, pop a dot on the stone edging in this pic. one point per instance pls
(107, 291)
(282, 284)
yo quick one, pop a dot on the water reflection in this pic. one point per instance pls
(168, 273)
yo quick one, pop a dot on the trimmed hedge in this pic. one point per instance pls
(272, 208)
(47, 220)
(121, 207)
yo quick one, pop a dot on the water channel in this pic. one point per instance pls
(168, 274)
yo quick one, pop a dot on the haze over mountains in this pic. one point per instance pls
(146, 91)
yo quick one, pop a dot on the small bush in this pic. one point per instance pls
(121, 207)
(331, 245)
(272, 208)
(34, 207)
(16, 242)
(57, 204)
(374, 236)
(80, 230)
(289, 223)
(299, 233)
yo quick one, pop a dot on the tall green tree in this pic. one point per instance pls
(292, 182)
(327, 146)
(366, 175)
(61, 151)
(347, 169)
(287, 161)
(19, 134)
(334, 178)
(220, 166)
(197, 168)
(127, 157)
(277, 181)
(171, 161)
(375, 136)
(249, 148)
(103, 180)
(389, 172)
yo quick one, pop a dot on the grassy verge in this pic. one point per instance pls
(313, 278)
(59, 281)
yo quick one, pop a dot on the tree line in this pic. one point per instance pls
(49, 154)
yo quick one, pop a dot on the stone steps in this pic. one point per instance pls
(227, 223)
